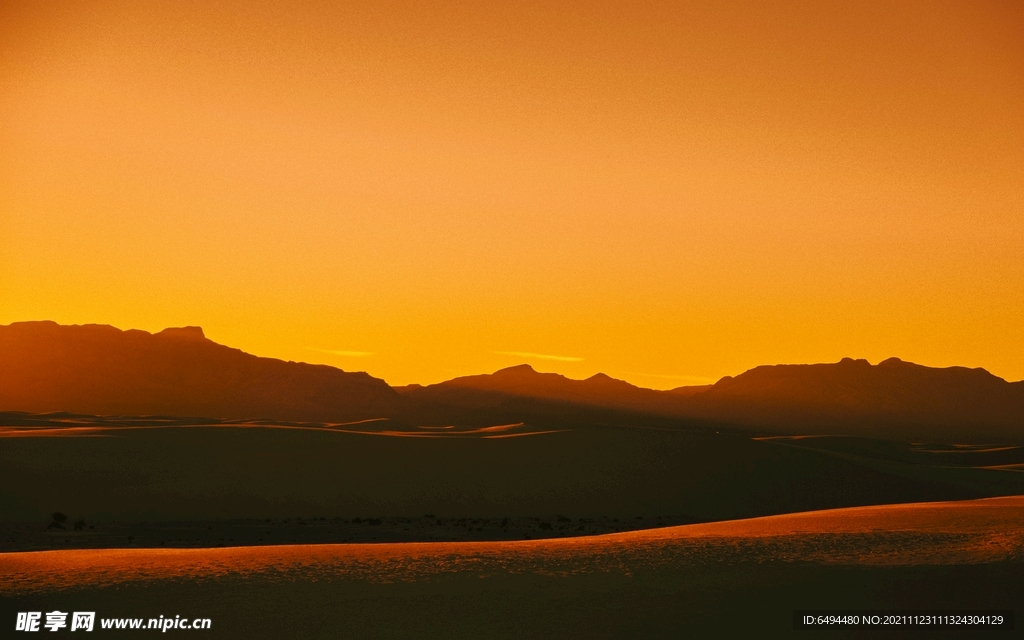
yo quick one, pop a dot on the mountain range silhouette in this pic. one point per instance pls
(98, 369)
(101, 370)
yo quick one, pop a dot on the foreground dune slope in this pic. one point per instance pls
(739, 578)
(961, 532)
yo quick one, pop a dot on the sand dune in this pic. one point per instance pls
(252, 470)
(942, 533)
(373, 427)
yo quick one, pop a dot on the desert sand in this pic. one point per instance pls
(744, 576)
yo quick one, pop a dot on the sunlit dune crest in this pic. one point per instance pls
(61, 432)
(1006, 467)
(918, 447)
(963, 448)
(983, 450)
(109, 430)
(985, 514)
(450, 431)
(799, 437)
(942, 533)
(426, 431)
(449, 434)
(519, 435)
(499, 427)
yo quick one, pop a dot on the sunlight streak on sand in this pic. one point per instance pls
(964, 532)
(447, 431)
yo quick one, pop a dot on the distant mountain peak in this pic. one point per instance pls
(102, 370)
(185, 333)
(853, 361)
(518, 369)
(606, 382)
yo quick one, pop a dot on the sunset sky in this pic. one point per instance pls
(665, 192)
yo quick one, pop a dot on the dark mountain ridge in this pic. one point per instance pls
(522, 381)
(893, 398)
(97, 369)
(856, 395)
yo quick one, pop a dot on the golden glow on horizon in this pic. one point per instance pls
(687, 191)
(526, 355)
(344, 354)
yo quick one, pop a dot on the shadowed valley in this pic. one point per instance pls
(291, 452)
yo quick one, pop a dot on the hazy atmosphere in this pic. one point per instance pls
(666, 194)
(511, 320)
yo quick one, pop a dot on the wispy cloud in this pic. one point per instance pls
(538, 356)
(344, 354)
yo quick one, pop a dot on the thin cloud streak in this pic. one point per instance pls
(538, 356)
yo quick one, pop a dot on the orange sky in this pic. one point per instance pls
(667, 194)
